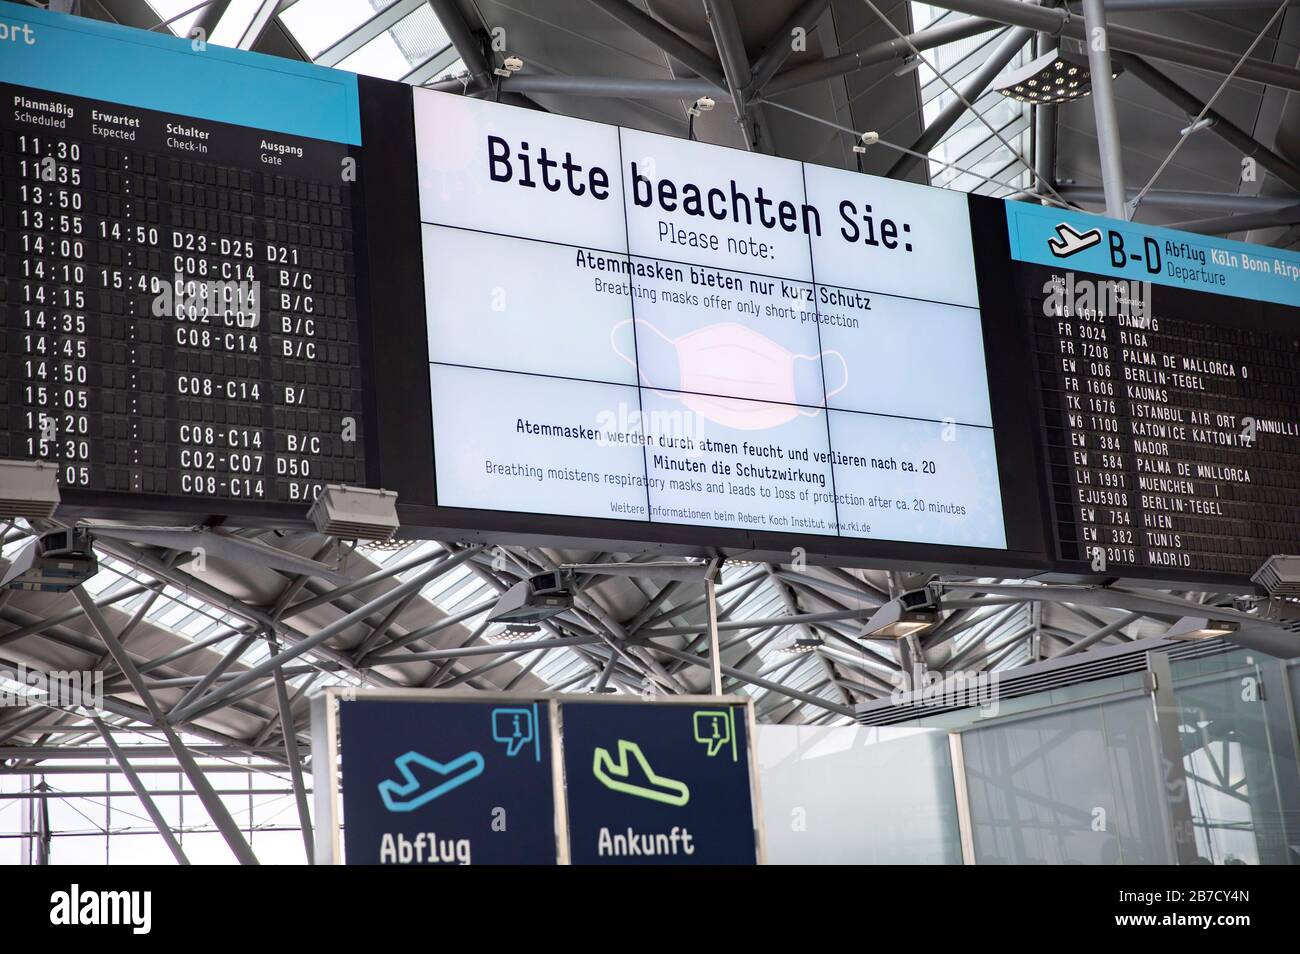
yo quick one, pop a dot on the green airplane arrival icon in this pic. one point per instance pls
(615, 774)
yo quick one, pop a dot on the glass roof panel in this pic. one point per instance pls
(234, 23)
(971, 138)
(166, 9)
(319, 24)
(394, 53)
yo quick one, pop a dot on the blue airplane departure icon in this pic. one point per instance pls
(411, 793)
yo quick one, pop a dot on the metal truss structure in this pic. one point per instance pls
(209, 641)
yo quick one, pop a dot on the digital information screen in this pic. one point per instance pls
(177, 276)
(633, 327)
(1169, 373)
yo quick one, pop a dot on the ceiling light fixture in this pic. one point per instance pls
(799, 645)
(1052, 78)
(515, 633)
(1201, 627)
(907, 615)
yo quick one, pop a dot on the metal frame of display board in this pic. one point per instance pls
(325, 752)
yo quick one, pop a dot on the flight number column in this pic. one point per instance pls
(1080, 367)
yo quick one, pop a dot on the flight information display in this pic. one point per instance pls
(639, 328)
(1168, 366)
(592, 334)
(178, 270)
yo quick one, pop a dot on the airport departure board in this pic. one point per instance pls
(1168, 366)
(230, 279)
(179, 268)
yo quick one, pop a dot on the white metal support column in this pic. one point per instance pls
(715, 650)
(1097, 40)
(1173, 777)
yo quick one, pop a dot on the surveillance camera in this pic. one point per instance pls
(865, 140)
(510, 65)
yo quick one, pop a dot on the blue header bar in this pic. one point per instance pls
(158, 71)
(1091, 243)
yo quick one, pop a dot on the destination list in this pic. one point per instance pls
(1171, 428)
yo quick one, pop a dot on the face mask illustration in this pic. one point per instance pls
(722, 370)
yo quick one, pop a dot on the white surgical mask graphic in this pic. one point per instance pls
(724, 370)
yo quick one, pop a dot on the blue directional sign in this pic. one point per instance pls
(1149, 253)
(658, 783)
(434, 782)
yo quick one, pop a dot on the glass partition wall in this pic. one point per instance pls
(1189, 758)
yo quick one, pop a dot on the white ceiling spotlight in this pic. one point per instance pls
(514, 633)
(798, 645)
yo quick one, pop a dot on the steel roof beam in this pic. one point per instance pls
(1059, 22)
(260, 23)
(491, 649)
(213, 674)
(369, 30)
(781, 44)
(791, 620)
(1227, 224)
(1220, 126)
(209, 17)
(464, 40)
(886, 51)
(621, 88)
(212, 802)
(674, 44)
(390, 618)
(213, 700)
(290, 734)
(299, 692)
(142, 793)
(818, 583)
(1135, 6)
(792, 607)
(94, 752)
(972, 88)
(41, 625)
(1205, 201)
(754, 680)
(721, 15)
